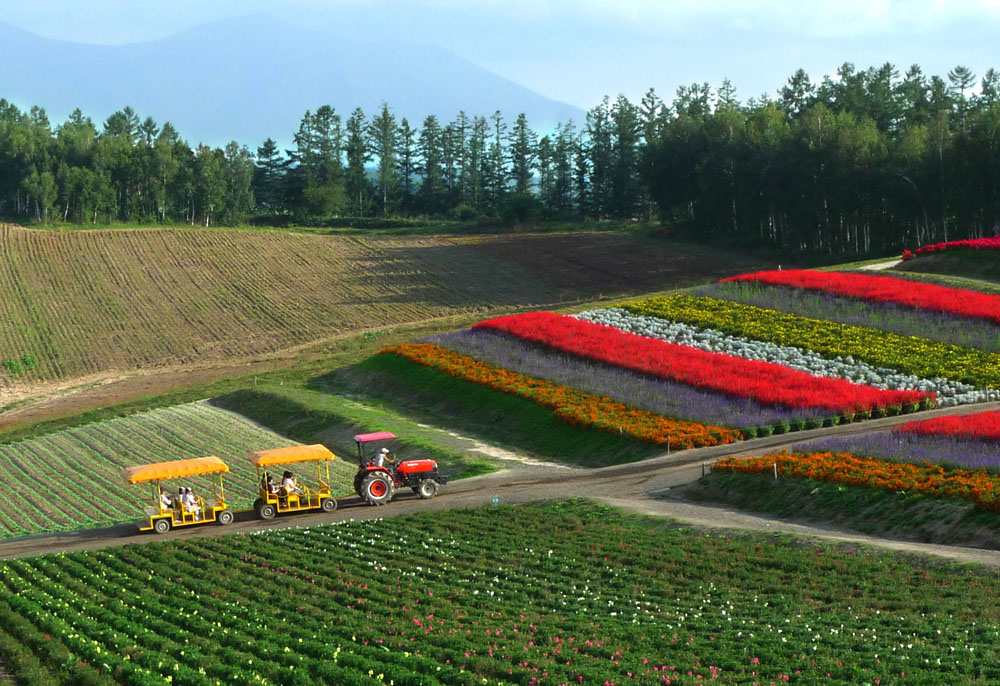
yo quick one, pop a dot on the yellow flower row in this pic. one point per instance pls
(910, 354)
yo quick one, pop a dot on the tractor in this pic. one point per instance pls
(377, 479)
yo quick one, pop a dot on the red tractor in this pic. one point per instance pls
(378, 478)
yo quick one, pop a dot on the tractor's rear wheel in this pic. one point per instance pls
(428, 488)
(328, 504)
(376, 489)
(161, 526)
(266, 511)
(224, 518)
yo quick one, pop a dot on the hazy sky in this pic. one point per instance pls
(579, 50)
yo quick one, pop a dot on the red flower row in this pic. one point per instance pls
(765, 382)
(992, 243)
(981, 425)
(885, 289)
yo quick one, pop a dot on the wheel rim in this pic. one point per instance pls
(377, 488)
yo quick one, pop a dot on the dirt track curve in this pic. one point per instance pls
(635, 486)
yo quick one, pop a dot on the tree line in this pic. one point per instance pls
(867, 161)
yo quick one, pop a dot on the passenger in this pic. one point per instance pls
(267, 484)
(179, 498)
(166, 502)
(191, 503)
(288, 483)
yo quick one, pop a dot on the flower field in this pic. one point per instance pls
(991, 243)
(981, 425)
(762, 381)
(906, 321)
(668, 398)
(884, 289)
(535, 596)
(920, 357)
(569, 405)
(72, 479)
(980, 487)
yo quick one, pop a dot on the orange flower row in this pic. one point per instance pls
(980, 486)
(568, 404)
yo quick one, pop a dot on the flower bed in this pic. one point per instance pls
(765, 382)
(569, 405)
(981, 425)
(921, 357)
(803, 360)
(884, 289)
(905, 321)
(991, 243)
(980, 487)
(668, 398)
(947, 451)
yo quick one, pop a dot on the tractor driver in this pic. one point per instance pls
(381, 457)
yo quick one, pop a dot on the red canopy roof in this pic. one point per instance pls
(377, 436)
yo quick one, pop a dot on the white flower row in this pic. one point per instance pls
(948, 392)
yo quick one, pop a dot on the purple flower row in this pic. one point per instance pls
(670, 399)
(946, 451)
(905, 321)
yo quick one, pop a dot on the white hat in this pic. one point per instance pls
(385, 450)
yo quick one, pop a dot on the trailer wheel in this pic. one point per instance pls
(257, 503)
(225, 517)
(377, 489)
(428, 488)
(161, 526)
(266, 511)
(328, 504)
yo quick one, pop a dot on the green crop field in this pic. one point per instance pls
(72, 479)
(563, 594)
(90, 304)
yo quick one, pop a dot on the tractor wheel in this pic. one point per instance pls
(376, 489)
(428, 488)
(328, 504)
(266, 511)
(224, 518)
(161, 526)
(358, 480)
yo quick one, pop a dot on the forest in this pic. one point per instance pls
(867, 161)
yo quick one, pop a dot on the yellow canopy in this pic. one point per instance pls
(175, 469)
(292, 454)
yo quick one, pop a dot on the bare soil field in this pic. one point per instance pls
(95, 305)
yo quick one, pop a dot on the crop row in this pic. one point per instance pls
(762, 381)
(981, 487)
(539, 596)
(920, 357)
(947, 392)
(884, 289)
(570, 405)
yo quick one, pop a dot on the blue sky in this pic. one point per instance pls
(579, 50)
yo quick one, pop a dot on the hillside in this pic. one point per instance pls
(194, 79)
(96, 304)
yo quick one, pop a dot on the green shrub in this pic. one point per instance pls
(763, 431)
(748, 432)
(797, 424)
(815, 423)
(12, 366)
(28, 361)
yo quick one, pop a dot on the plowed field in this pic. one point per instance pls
(84, 303)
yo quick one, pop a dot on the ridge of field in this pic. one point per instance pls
(87, 303)
(565, 593)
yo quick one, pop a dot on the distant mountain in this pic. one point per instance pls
(250, 78)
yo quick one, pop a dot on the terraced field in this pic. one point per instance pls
(87, 303)
(72, 479)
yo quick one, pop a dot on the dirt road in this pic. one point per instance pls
(637, 486)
